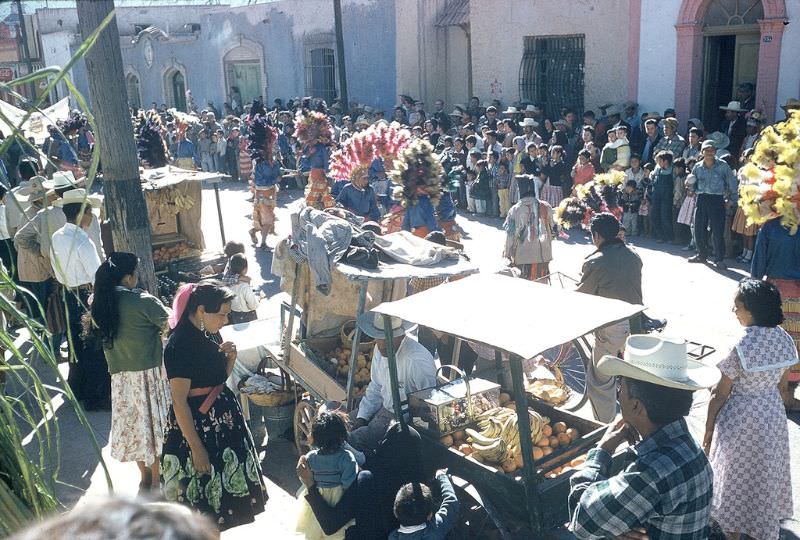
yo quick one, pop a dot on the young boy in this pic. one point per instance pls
(413, 508)
(663, 193)
(635, 171)
(359, 197)
(629, 201)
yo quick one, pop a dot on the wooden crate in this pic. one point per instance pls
(311, 374)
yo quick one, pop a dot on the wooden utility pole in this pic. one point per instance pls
(337, 21)
(25, 50)
(124, 200)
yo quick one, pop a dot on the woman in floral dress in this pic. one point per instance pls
(747, 437)
(128, 322)
(209, 460)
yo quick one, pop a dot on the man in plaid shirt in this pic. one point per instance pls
(665, 491)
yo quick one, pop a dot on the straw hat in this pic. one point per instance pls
(533, 109)
(613, 109)
(659, 360)
(529, 122)
(696, 122)
(372, 324)
(732, 106)
(31, 190)
(61, 180)
(791, 104)
(362, 121)
(79, 196)
(652, 115)
(511, 110)
(719, 139)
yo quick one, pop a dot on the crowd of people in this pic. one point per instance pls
(616, 175)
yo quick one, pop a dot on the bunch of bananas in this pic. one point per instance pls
(498, 438)
(183, 202)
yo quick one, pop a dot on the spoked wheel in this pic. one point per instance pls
(304, 414)
(572, 359)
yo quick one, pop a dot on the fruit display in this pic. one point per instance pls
(176, 251)
(549, 390)
(495, 442)
(452, 406)
(341, 358)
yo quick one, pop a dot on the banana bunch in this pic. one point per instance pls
(183, 202)
(498, 438)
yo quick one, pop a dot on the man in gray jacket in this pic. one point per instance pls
(612, 271)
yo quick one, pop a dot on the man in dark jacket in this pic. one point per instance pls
(612, 271)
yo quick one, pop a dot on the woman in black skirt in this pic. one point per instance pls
(209, 461)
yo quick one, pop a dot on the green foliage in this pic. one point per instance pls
(27, 483)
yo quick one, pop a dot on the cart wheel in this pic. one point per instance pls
(573, 368)
(304, 415)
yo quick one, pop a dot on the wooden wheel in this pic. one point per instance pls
(304, 414)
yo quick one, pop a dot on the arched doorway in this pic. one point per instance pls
(175, 88)
(721, 43)
(244, 72)
(133, 90)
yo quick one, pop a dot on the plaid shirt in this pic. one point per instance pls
(676, 144)
(666, 490)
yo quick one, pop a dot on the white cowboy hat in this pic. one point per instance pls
(613, 109)
(659, 360)
(530, 122)
(696, 122)
(79, 196)
(61, 180)
(720, 140)
(733, 106)
(31, 190)
(372, 325)
(361, 120)
(511, 110)
(532, 108)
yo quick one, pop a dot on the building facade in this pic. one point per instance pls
(280, 49)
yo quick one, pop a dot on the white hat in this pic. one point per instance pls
(530, 122)
(532, 108)
(61, 180)
(79, 196)
(720, 139)
(613, 109)
(733, 106)
(372, 325)
(511, 110)
(362, 120)
(659, 360)
(31, 190)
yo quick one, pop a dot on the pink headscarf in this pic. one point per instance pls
(179, 303)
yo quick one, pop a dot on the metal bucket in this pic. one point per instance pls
(256, 424)
(279, 420)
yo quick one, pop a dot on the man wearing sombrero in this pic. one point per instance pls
(666, 490)
(415, 371)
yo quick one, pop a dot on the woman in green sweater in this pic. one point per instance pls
(129, 323)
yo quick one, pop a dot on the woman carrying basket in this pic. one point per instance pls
(209, 460)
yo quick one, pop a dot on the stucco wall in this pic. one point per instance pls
(276, 31)
(657, 54)
(498, 28)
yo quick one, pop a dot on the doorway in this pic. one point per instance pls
(246, 77)
(178, 85)
(729, 60)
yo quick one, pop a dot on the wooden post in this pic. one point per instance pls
(529, 478)
(337, 22)
(124, 200)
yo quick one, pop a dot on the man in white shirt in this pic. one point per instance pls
(75, 261)
(415, 371)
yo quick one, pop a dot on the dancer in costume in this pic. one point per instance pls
(150, 144)
(186, 156)
(314, 132)
(267, 173)
(418, 175)
(768, 195)
(446, 209)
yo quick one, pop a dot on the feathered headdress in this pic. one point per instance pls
(312, 127)
(572, 212)
(358, 152)
(417, 172)
(150, 144)
(183, 120)
(597, 195)
(770, 183)
(261, 135)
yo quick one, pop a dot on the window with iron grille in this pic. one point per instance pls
(321, 68)
(551, 72)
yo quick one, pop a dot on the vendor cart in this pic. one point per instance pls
(519, 320)
(308, 353)
(174, 206)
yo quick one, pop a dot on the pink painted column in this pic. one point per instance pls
(689, 72)
(769, 58)
(634, 42)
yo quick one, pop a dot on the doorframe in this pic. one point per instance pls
(257, 55)
(689, 56)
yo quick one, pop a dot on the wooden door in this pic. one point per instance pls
(745, 67)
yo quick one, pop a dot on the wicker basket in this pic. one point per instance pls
(273, 399)
(558, 382)
(346, 333)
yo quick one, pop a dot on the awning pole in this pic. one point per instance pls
(351, 372)
(219, 213)
(392, 361)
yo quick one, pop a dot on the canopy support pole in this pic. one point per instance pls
(288, 331)
(393, 380)
(351, 372)
(219, 213)
(529, 476)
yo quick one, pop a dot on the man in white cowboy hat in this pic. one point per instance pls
(415, 371)
(666, 491)
(734, 126)
(74, 258)
(528, 125)
(38, 232)
(715, 188)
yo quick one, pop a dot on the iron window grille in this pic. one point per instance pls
(321, 73)
(552, 72)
